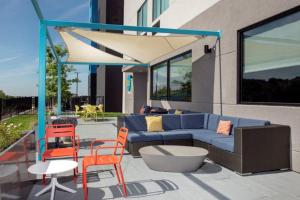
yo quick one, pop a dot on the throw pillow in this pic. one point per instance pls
(142, 110)
(154, 123)
(178, 112)
(224, 127)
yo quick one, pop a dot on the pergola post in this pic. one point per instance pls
(59, 65)
(42, 86)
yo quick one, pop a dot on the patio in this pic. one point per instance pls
(209, 182)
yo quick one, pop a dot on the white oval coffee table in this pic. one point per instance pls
(53, 168)
(173, 158)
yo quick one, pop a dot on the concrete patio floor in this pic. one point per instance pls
(209, 182)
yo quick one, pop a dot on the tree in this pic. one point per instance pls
(51, 74)
(2, 94)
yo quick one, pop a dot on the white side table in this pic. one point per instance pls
(53, 168)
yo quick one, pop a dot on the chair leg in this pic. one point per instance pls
(123, 182)
(44, 175)
(84, 183)
(117, 174)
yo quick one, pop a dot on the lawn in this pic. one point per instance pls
(27, 122)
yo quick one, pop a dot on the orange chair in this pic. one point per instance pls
(114, 159)
(58, 131)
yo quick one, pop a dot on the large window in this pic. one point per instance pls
(142, 15)
(160, 81)
(159, 6)
(270, 61)
(172, 79)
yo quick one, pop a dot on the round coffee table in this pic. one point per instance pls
(173, 158)
(53, 168)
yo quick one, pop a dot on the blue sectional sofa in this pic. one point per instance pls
(252, 146)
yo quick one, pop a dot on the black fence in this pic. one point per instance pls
(80, 100)
(17, 105)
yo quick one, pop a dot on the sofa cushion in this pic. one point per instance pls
(135, 122)
(171, 122)
(234, 121)
(213, 121)
(154, 123)
(192, 121)
(144, 136)
(243, 122)
(205, 135)
(176, 135)
(225, 143)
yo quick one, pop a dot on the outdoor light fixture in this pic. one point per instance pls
(207, 49)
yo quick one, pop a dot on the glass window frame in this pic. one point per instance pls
(168, 61)
(141, 17)
(240, 58)
(161, 10)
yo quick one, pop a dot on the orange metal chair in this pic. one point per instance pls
(58, 131)
(113, 159)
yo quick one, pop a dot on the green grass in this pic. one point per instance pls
(11, 129)
(112, 114)
(27, 122)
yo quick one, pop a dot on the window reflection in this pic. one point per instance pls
(271, 62)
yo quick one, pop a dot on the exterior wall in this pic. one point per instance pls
(127, 96)
(109, 78)
(228, 16)
(140, 88)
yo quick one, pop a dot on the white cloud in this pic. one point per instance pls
(3, 60)
(74, 11)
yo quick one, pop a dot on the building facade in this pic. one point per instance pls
(253, 72)
(105, 83)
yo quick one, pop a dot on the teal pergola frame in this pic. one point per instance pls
(44, 36)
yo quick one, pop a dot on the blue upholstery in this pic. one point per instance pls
(234, 121)
(213, 121)
(192, 121)
(171, 122)
(225, 143)
(205, 135)
(176, 135)
(143, 136)
(243, 122)
(135, 123)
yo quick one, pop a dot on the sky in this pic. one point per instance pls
(19, 34)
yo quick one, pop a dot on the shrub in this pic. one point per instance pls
(9, 133)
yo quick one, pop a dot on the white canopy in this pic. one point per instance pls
(141, 48)
(83, 53)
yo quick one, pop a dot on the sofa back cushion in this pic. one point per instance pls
(135, 122)
(193, 121)
(243, 122)
(234, 122)
(213, 121)
(171, 122)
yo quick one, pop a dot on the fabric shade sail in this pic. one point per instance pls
(80, 52)
(142, 48)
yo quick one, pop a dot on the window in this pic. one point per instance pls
(160, 81)
(172, 79)
(270, 61)
(159, 6)
(142, 15)
(181, 78)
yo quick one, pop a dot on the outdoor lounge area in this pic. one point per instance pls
(184, 124)
(211, 181)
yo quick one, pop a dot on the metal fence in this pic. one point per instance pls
(17, 105)
(80, 100)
